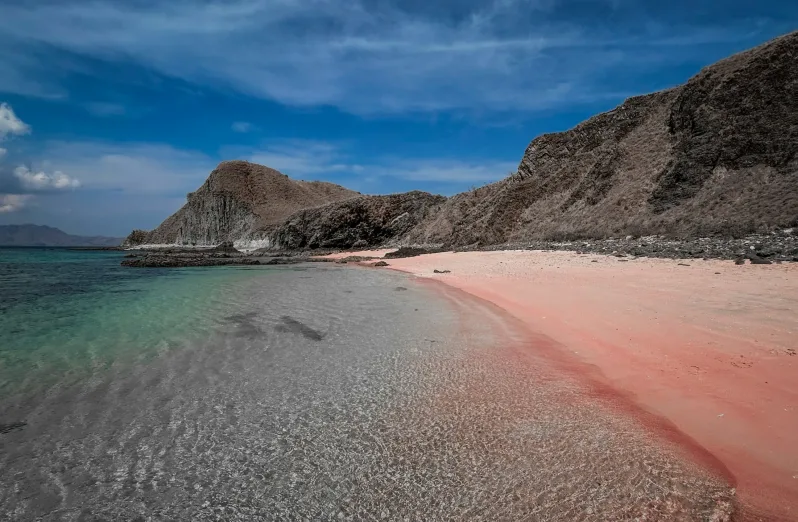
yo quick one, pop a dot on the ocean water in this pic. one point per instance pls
(65, 314)
(318, 392)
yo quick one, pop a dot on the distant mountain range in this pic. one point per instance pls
(39, 235)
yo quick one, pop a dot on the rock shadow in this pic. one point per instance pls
(291, 325)
(244, 324)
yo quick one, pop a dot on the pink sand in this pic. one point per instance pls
(710, 346)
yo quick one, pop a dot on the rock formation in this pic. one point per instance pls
(360, 222)
(240, 202)
(714, 156)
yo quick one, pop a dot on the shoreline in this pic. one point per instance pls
(707, 346)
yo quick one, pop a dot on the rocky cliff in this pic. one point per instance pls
(717, 155)
(241, 202)
(361, 222)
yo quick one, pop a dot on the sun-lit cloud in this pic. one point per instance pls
(10, 124)
(18, 185)
(12, 202)
(42, 181)
(154, 169)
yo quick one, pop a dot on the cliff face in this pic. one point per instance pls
(714, 156)
(360, 222)
(240, 201)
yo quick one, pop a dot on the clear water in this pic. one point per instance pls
(65, 314)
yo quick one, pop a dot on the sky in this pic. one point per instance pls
(112, 111)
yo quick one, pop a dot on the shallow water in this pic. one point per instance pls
(318, 392)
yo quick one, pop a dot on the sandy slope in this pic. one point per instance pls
(711, 346)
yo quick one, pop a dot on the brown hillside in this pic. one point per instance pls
(240, 201)
(357, 222)
(717, 155)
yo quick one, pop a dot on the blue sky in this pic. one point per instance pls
(114, 110)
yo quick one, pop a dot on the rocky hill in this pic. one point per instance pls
(40, 235)
(716, 156)
(359, 222)
(240, 201)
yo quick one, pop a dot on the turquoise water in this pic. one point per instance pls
(65, 314)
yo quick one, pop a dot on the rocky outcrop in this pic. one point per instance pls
(718, 155)
(361, 222)
(239, 202)
(135, 238)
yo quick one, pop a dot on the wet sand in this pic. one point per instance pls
(710, 346)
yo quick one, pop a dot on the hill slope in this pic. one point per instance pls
(718, 155)
(40, 235)
(239, 201)
(358, 222)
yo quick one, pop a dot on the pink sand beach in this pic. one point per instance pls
(712, 347)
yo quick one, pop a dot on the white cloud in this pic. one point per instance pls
(12, 202)
(42, 181)
(3, 152)
(361, 56)
(9, 123)
(313, 159)
(123, 185)
(130, 168)
(242, 126)
(304, 158)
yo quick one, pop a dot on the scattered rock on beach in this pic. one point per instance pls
(409, 252)
(355, 259)
(442, 271)
(380, 263)
(226, 246)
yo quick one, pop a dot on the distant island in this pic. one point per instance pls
(40, 235)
